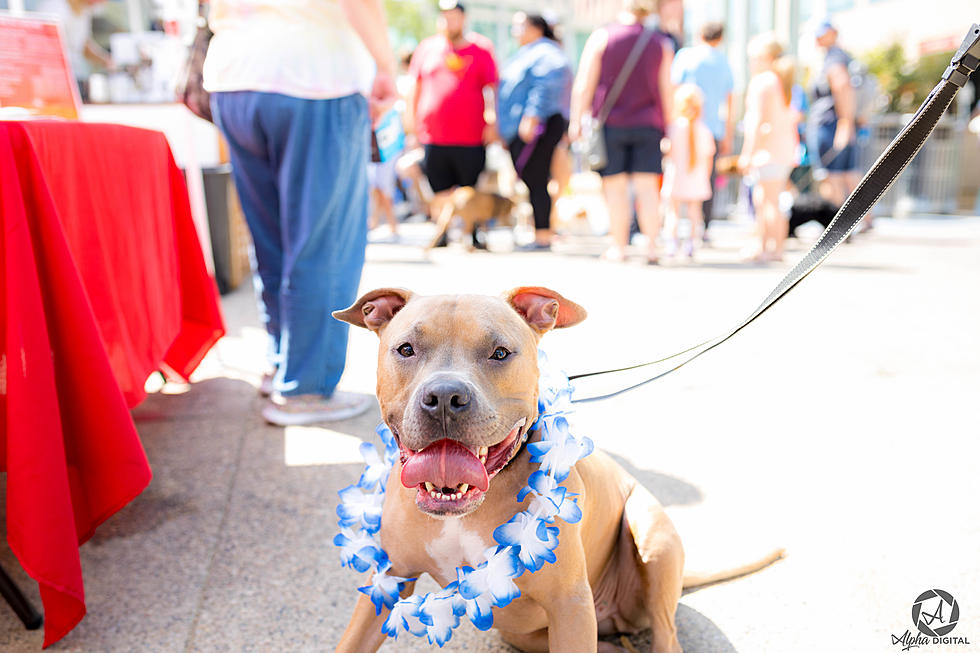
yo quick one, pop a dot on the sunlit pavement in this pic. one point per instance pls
(842, 426)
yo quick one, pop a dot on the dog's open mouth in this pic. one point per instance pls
(450, 477)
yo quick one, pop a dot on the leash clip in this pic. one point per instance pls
(966, 59)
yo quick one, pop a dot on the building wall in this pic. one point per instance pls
(863, 24)
(493, 20)
(921, 27)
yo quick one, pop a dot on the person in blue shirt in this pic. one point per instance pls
(532, 113)
(705, 66)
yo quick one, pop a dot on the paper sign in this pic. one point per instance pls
(34, 70)
(391, 136)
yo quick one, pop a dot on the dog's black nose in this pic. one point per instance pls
(445, 397)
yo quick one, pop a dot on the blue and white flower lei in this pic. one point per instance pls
(526, 542)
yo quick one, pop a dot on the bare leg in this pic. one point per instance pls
(387, 208)
(561, 177)
(647, 187)
(616, 191)
(672, 217)
(756, 250)
(561, 170)
(543, 236)
(695, 213)
(408, 168)
(373, 218)
(829, 191)
(774, 226)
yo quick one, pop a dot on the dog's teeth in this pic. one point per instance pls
(482, 452)
(463, 487)
(429, 486)
(433, 494)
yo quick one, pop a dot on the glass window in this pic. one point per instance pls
(761, 16)
(807, 9)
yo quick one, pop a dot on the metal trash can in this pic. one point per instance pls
(230, 240)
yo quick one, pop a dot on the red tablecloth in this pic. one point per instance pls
(102, 281)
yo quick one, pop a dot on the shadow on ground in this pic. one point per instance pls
(696, 633)
(669, 490)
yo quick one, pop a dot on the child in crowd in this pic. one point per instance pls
(687, 175)
(388, 141)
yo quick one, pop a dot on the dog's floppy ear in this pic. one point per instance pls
(544, 309)
(376, 308)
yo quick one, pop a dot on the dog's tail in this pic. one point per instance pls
(697, 579)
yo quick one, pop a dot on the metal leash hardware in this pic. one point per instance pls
(872, 186)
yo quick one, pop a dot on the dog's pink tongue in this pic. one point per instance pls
(445, 463)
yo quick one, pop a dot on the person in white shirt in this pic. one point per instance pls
(75, 18)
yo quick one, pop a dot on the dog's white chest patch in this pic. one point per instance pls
(455, 546)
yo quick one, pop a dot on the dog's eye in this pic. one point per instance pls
(499, 354)
(406, 350)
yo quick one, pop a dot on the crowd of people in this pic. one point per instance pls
(297, 89)
(665, 116)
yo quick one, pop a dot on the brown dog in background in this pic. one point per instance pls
(476, 208)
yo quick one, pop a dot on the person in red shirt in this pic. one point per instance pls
(454, 78)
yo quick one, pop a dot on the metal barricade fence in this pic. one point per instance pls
(929, 185)
(931, 182)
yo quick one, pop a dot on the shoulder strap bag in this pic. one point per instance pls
(190, 90)
(594, 149)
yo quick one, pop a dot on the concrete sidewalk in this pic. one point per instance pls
(842, 425)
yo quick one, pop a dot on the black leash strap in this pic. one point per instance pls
(874, 184)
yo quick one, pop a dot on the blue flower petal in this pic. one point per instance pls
(384, 589)
(480, 612)
(375, 470)
(440, 614)
(404, 617)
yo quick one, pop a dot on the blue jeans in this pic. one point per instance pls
(300, 167)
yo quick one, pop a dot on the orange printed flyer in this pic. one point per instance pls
(34, 70)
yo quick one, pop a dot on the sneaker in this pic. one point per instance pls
(311, 409)
(533, 246)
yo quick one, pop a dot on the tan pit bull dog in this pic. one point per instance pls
(474, 208)
(458, 386)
